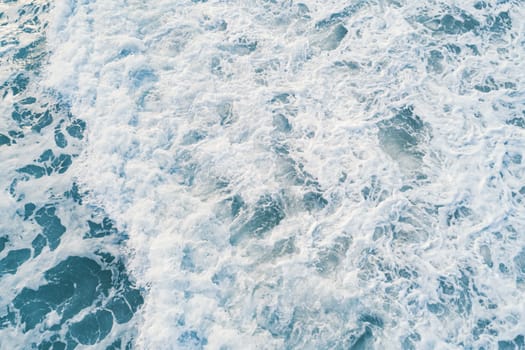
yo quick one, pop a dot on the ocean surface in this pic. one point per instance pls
(262, 174)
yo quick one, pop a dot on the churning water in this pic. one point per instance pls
(262, 174)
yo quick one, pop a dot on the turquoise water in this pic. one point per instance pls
(62, 269)
(262, 174)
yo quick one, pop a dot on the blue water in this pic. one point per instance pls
(63, 274)
(262, 174)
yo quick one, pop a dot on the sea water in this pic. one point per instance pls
(262, 174)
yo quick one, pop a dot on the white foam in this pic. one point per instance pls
(177, 74)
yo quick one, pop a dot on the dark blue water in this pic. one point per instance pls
(62, 272)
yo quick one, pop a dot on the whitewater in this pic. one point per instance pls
(262, 174)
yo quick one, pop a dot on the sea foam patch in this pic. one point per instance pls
(305, 175)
